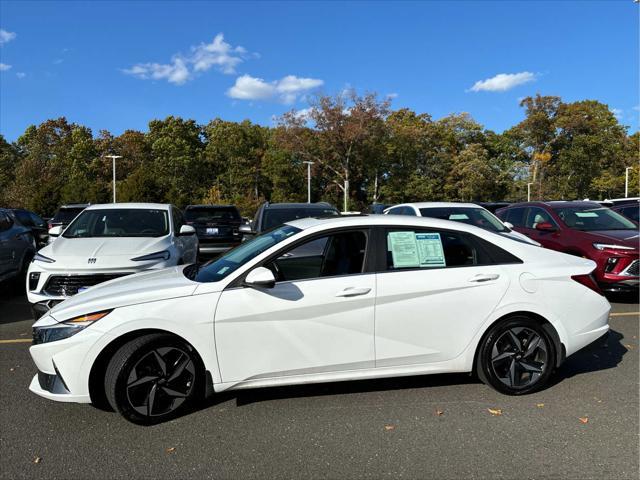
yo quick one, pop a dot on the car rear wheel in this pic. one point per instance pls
(516, 356)
(154, 378)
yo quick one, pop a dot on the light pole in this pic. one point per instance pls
(113, 159)
(308, 180)
(529, 191)
(626, 181)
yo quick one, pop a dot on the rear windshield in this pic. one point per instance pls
(211, 214)
(478, 217)
(65, 215)
(278, 216)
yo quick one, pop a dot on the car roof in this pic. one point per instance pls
(112, 206)
(276, 206)
(193, 207)
(557, 203)
(372, 220)
(438, 205)
(74, 205)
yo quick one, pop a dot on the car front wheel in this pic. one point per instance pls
(154, 378)
(517, 356)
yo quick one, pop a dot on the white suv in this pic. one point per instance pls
(106, 242)
(469, 213)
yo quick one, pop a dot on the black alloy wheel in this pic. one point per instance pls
(153, 378)
(517, 356)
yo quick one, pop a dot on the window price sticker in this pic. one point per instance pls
(411, 250)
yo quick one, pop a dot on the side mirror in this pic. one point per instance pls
(55, 231)
(187, 230)
(246, 229)
(260, 277)
(545, 227)
(509, 225)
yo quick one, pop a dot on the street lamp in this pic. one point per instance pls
(308, 180)
(626, 181)
(113, 159)
(529, 191)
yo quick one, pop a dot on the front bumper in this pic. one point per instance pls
(41, 388)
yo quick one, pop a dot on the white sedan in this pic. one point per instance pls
(461, 212)
(322, 300)
(106, 242)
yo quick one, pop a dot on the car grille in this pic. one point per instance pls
(67, 285)
(632, 270)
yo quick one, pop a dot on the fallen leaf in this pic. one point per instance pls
(539, 405)
(439, 412)
(12, 369)
(170, 450)
(629, 347)
(583, 419)
(389, 427)
(495, 411)
(37, 460)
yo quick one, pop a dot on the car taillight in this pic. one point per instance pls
(587, 281)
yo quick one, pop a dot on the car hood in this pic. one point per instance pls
(628, 238)
(101, 246)
(134, 289)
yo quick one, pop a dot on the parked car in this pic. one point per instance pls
(493, 206)
(460, 212)
(585, 229)
(36, 225)
(106, 242)
(63, 217)
(17, 247)
(217, 226)
(322, 300)
(627, 207)
(378, 208)
(271, 215)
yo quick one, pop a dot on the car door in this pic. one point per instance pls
(435, 288)
(548, 239)
(6, 251)
(318, 318)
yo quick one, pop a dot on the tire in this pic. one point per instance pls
(154, 378)
(516, 356)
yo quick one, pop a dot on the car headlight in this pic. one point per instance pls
(164, 255)
(41, 258)
(609, 246)
(66, 329)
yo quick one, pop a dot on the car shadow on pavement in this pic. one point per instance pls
(13, 304)
(626, 297)
(601, 355)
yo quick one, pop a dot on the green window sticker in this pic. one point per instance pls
(404, 249)
(430, 251)
(586, 214)
(458, 216)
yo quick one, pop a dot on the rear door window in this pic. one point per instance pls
(515, 216)
(537, 215)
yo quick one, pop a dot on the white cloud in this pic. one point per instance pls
(392, 95)
(21, 74)
(503, 82)
(617, 112)
(286, 90)
(203, 57)
(6, 36)
(4, 67)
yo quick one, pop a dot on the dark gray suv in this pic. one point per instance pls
(17, 247)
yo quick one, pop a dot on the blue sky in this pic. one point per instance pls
(116, 65)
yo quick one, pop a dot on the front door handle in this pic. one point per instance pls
(353, 292)
(484, 277)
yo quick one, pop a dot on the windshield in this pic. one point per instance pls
(478, 217)
(65, 215)
(588, 218)
(212, 214)
(119, 222)
(277, 216)
(218, 269)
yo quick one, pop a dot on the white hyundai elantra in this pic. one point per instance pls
(105, 242)
(321, 300)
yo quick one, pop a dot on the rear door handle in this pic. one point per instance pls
(484, 277)
(353, 292)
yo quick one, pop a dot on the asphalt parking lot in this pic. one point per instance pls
(445, 426)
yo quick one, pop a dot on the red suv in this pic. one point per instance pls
(586, 229)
